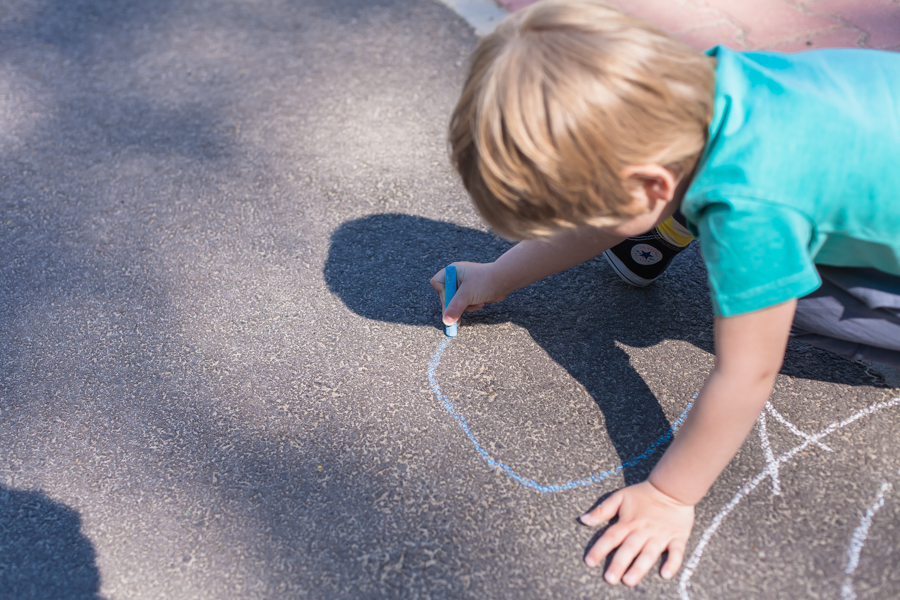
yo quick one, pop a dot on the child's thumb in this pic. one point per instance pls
(454, 309)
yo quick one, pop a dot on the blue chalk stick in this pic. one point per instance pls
(449, 290)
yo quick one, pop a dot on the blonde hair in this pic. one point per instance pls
(559, 99)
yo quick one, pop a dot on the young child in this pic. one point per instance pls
(584, 131)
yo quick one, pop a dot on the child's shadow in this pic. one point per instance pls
(380, 266)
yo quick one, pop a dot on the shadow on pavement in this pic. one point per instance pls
(553, 311)
(43, 554)
(380, 266)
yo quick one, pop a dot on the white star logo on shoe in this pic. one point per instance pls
(645, 254)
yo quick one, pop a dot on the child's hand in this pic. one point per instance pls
(476, 286)
(650, 522)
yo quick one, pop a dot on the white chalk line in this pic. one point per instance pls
(859, 540)
(771, 470)
(689, 568)
(460, 419)
(793, 429)
(771, 463)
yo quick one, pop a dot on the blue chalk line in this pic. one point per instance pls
(530, 483)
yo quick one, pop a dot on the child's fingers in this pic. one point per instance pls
(673, 562)
(455, 308)
(469, 308)
(625, 553)
(643, 563)
(438, 281)
(460, 301)
(604, 512)
(608, 542)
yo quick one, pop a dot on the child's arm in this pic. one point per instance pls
(657, 514)
(523, 264)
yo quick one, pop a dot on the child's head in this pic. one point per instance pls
(559, 100)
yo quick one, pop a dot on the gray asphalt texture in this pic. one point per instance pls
(217, 223)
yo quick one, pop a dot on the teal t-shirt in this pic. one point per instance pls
(802, 167)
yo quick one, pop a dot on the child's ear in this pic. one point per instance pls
(650, 183)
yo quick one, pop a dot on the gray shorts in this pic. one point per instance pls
(855, 313)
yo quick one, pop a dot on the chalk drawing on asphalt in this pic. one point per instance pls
(770, 470)
(460, 419)
(859, 540)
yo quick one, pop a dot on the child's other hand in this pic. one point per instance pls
(650, 522)
(475, 287)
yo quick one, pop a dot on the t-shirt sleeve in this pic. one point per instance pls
(757, 255)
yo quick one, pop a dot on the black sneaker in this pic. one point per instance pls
(640, 260)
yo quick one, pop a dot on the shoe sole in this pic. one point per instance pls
(624, 273)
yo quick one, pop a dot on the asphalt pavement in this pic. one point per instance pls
(222, 371)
